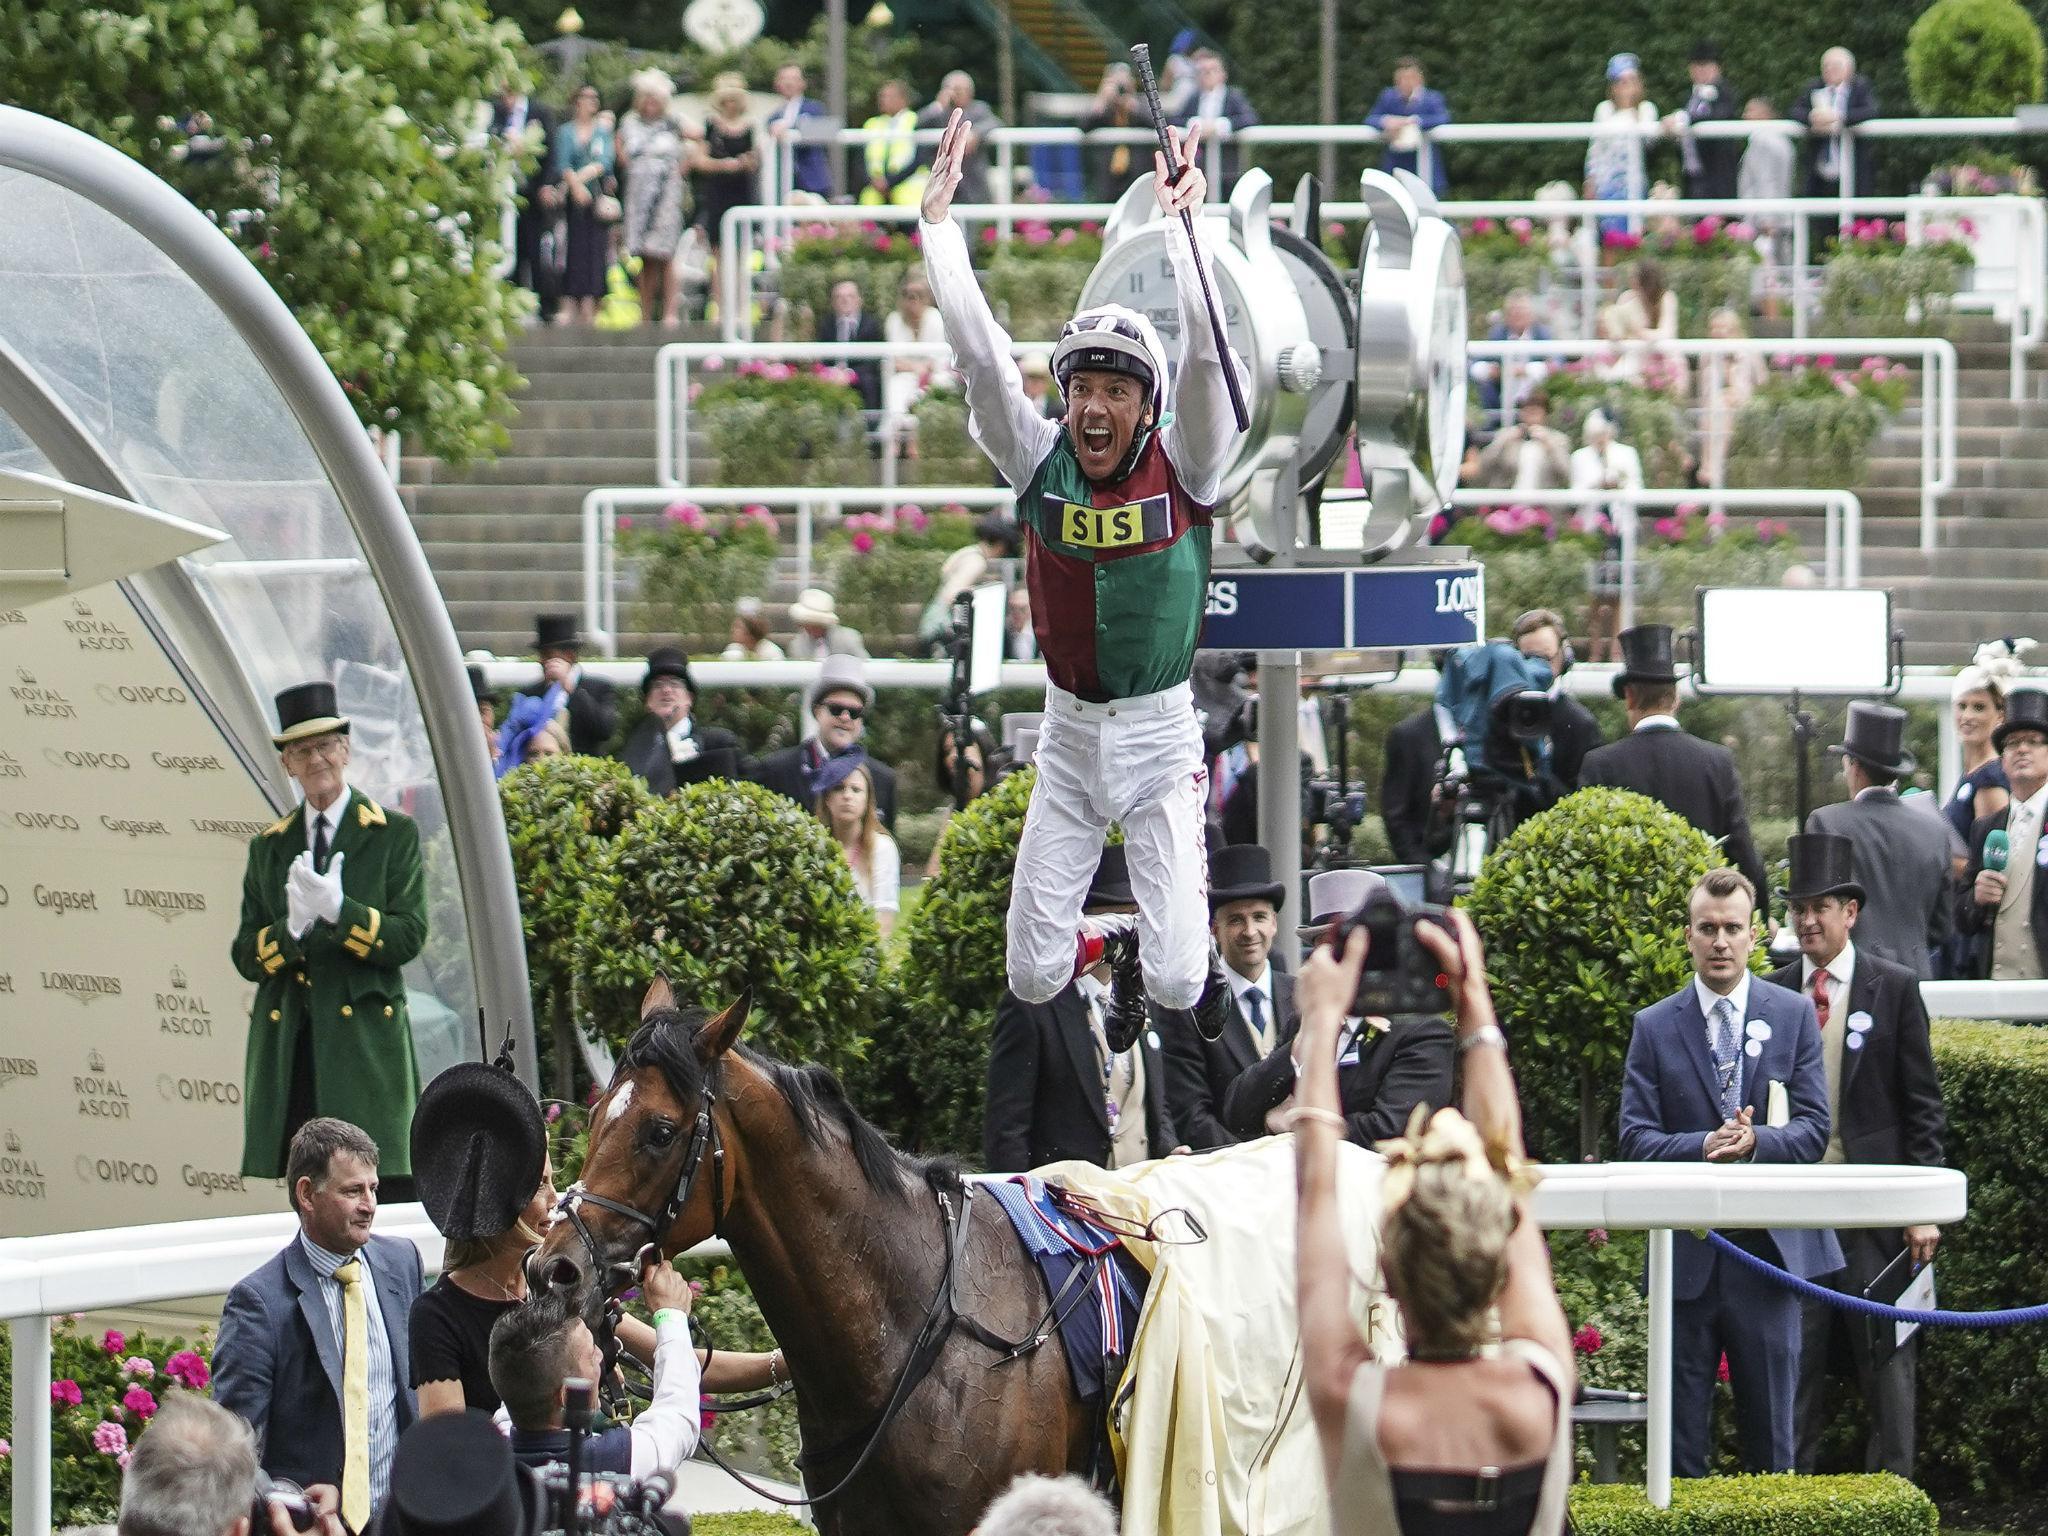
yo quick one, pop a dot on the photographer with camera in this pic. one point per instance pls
(1389, 1063)
(1499, 711)
(538, 1348)
(1458, 1438)
(193, 1473)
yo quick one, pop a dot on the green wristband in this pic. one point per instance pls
(668, 1312)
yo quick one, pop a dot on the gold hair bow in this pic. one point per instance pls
(1448, 1137)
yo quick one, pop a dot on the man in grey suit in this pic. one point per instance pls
(286, 1358)
(1902, 852)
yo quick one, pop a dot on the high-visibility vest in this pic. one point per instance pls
(889, 158)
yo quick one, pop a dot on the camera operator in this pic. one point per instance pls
(535, 1349)
(194, 1473)
(1386, 1068)
(1498, 764)
(1540, 635)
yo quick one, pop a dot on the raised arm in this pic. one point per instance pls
(1200, 438)
(1000, 415)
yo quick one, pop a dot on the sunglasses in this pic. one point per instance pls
(844, 711)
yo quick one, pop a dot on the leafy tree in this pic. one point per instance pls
(1974, 58)
(346, 155)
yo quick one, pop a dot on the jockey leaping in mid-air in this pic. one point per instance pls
(1115, 504)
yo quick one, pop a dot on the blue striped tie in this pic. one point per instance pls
(1727, 1057)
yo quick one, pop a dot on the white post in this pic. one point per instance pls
(1802, 240)
(1950, 755)
(1659, 1429)
(1928, 473)
(1629, 516)
(1831, 545)
(803, 545)
(610, 532)
(32, 1439)
(593, 566)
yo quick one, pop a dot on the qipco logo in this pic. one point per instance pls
(116, 1171)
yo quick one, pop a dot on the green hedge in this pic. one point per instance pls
(748, 1523)
(1974, 58)
(1787, 1505)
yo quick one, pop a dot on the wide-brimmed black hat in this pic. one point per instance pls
(711, 763)
(453, 1475)
(556, 632)
(2025, 709)
(307, 710)
(1646, 657)
(1823, 864)
(1334, 893)
(1111, 886)
(1243, 872)
(478, 1147)
(1876, 734)
(667, 661)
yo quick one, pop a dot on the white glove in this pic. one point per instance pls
(298, 883)
(325, 901)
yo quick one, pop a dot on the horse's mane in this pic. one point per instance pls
(666, 1041)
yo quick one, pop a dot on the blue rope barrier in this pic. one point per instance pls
(2009, 1317)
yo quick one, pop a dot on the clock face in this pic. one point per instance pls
(1446, 368)
(1137, 273)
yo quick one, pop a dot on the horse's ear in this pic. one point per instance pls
(721, 1033)
(659, 996)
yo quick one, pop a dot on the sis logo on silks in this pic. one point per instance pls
(1346, 609)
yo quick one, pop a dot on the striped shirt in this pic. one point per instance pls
(383, 1374)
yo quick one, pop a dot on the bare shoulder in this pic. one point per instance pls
(1493, 1412)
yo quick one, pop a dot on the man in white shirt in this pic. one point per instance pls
(2007, 902)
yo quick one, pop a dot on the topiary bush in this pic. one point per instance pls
(1868, 1504)
(559, 812)
(1583, 911)
(927, 1077)
(1973, 58)
(723, 887)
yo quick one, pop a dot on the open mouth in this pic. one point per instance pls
(1096, 439)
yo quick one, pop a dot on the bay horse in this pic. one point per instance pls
(864, 1261)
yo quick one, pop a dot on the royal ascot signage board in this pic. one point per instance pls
(125, 818)
(1378, 607)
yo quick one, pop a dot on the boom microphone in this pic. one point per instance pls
(1997, 850)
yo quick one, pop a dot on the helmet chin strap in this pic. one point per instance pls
(1129, 461)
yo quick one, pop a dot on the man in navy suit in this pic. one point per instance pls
(282, 1359)
(811, 168)
(1405, 110)
(1729, 1070)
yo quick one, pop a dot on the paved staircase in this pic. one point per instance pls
(505, 538)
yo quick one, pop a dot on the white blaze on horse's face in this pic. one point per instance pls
(620, 1101)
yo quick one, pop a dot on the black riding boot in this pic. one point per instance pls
(1212, 1008)
(1124, 1014)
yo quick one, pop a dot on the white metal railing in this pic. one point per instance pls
(747, 229)
(47, 1277)
(1938, 389)
(673, 361)
(601, 509)
(1842, 528)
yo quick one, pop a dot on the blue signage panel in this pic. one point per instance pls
(1345, 609)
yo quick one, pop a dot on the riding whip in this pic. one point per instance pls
(1141, 55)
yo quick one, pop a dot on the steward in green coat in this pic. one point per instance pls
(333, 906)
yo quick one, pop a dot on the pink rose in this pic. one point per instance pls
(1825, 360)
(1587, 1340)
(916, 520)
(188, 1368)
(1067, 237)
(1521, 228)
(881, 243)
(1742, 229)
(6, 1450)
(138, 1366)
(65, 1393)
(989, 235)
(554, 1113)
(625, 521)
(138, 1401)
(109, 1438)
(863, 542)
(1484, 226)
(113, 1341)
(1703, 233)
(1596, 1237)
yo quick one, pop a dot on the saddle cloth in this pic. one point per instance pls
(1097, 1312)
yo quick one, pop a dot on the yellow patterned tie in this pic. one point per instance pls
(355, 1396)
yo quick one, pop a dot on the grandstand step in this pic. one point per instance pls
(1962, 631)
(613, 384)
(579, 442)
(450, 557)
(584, 415)
(581, 472)
(431, 500)
(1892, 566)
(439, 529)
(511, 584)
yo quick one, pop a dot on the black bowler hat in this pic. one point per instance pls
(2025, 709)
(1876, 735)
(711, 763)
(307, 710)
(1111, 886)
(667, 661)
(1823, 864)
(1646, 657)
(453, 1475)
(556, 632)
(1242, 872)
(1705, 51)
(478, 1147)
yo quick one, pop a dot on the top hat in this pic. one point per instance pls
(1646, 657)
(1336, 893)
(2025, 708)
(479, 683)
(307, 710)
(839, 672)
(453, 1475)
(1705, 51)
(1111, 886)
(667, 661)
(556, 632)
(1243, 872)
(478, 1147)
(1823, 864)
(814, 605)
(1876, 734)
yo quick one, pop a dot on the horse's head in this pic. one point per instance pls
(655, 1174)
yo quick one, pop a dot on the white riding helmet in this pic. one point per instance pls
(1113, 339)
